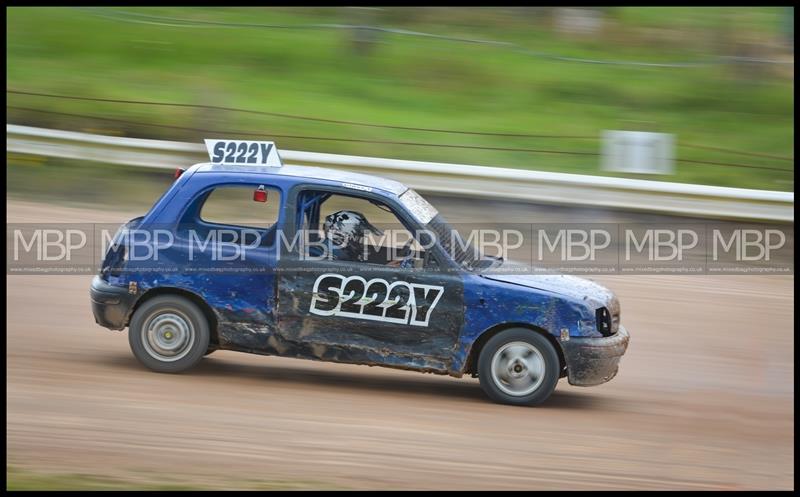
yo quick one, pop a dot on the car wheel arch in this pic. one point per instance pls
(209, 313)
(471, 364)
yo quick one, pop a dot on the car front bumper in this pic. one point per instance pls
(110, 304)
(593, 361)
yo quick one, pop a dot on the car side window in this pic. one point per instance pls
(356, 229)
(252, 206)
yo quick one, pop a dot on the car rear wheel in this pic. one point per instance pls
(518, 366)
(169, 334)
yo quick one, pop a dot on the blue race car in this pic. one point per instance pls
(243, 253)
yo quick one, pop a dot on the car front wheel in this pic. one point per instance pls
(518, 366)
(169, 334)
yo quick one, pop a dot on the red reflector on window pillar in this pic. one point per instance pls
(260, 195)
(178, 173)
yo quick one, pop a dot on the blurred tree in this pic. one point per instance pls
(543, 16)
(362, 39)
(787, 25)
(401, 16)
(748, 47)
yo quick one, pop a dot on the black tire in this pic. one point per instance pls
(498, 389)
(169, 317)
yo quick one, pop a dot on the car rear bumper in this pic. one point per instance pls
(110, 304)
(593, 361)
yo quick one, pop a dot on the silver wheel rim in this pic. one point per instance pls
(169, 335)
(518, 368)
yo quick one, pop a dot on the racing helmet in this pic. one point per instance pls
(346, 229)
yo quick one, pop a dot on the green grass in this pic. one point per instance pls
(418, 82)
(19, 479)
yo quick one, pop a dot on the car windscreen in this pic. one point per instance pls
(461, 251)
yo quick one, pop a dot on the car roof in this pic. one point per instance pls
(310, 173)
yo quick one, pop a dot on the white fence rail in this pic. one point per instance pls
(442, 178)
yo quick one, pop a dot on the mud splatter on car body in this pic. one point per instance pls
(266, 303)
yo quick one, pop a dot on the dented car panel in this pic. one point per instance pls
(111, 304)
(429, 329)
(492, 302)
(273, 303)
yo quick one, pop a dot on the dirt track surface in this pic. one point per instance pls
(703, 400)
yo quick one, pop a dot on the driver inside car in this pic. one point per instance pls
(344, 239)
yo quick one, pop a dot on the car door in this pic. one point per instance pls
(227, 242)
(370, 312)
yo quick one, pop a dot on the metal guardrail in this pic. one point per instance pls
(441, 178)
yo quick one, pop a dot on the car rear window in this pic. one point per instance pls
(234, 205)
